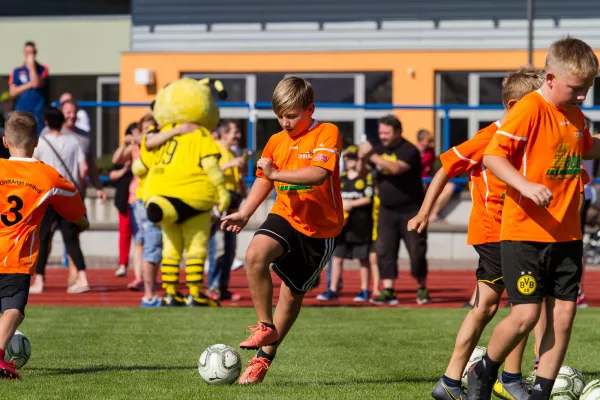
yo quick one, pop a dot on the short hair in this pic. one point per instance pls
(292, 92)
(574, 56)
(21, 129)
(148, 117)
(130, 128)
(393, 121)
(29, 43)
(70, 101)
(224, 126)
(423, 133)
(54, 118)
(519, 83)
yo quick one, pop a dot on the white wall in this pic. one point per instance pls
(68, 45)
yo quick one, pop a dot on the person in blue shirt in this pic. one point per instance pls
(27, 85)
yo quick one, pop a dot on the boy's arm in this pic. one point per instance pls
(67, 201)
(312, 175)
(437, 185)
(159, 139)
(237, 221)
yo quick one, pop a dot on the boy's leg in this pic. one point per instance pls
(538, 333)
(375, 279)
(152, 253)
(70, 234)
(14, 293)
(524, 267)
(364, 274)
(336, 272)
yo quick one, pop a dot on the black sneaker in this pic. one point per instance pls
(170, 300)
(479, 387)
(386, 298)
(441, 391)
(423, 296)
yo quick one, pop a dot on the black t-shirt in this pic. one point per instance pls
(359, 227)
(405, 190)
(122, 190)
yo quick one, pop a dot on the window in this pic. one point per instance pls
(490, 90)
(378, 87)
(454, 87)
(459, 132)
(483, 124)
(331, 89)
(265, 85)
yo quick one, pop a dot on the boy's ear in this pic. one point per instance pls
(4, 141)
(311, 109)
(511, 103)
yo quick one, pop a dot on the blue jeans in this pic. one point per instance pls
(218, 275)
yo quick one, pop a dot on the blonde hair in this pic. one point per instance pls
(21, 129)
(574, 56)
(292, 92)
(519, 83)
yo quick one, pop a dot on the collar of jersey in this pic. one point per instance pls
(27, 159)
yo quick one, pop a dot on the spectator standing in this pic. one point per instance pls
(82, 121)
(398, 177)
(65, 154)
(28, 84)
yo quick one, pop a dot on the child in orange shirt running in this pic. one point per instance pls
(27, 188)
(302, 162)
(537, 152)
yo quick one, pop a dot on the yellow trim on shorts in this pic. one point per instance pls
(492, 282)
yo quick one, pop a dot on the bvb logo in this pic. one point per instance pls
(526, 284)
(360, 184)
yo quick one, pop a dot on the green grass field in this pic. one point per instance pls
(332, 353)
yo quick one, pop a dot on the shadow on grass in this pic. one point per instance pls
(359, 381)
(105, 368)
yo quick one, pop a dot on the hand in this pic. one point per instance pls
(224, 199)
(537, 193)
(238, 163)
(365, 150)
(186, 127)
(127, 165)
(101, 195)
(234, 222)
(418, 223)
(30, 61)
(347, 205)
(266, 165)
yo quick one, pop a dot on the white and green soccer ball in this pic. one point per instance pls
(591, 391)
(18, 350)
(476, 356)
(219, 365)
(569, 384)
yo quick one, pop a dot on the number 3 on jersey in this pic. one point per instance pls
(167, 151)
(17, 205)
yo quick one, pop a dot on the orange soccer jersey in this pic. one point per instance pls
(486, 190)
(27, 188)
(546, 145)
(315, 211)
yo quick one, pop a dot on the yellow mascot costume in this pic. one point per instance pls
(183, 184)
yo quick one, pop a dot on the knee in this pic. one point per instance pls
(564, 314)
(254, 257)
(485, 312)
(525, 316)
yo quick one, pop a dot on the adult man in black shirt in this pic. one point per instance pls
(397, 165)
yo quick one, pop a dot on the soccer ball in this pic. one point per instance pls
(591, 391)
(18, 350)
(220, 365)
(568, 385)
(476, 356)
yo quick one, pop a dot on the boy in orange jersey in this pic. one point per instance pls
(484, 235)
(302, 162)
(27, 188)
(537, 152)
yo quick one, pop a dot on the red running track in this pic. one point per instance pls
(448, 289)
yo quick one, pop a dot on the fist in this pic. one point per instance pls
(266, 165)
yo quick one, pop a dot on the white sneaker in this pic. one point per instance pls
(237, 264)
(122, 271)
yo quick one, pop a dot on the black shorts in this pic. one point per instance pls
(14, 291)
(534, 270)
(304, 257)
(352, 251)
(490, 263)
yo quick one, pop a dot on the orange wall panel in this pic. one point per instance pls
(408, 89)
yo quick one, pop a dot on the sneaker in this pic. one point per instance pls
(511, 391)
(581, 302)
(231, 296)
(329, 295)
(237, 264)
(262, 335)
(386, 298)
(479, 386)
(152, 303)
(121, 271)
(441, 391)
(423, 296)
(201, 301)
(256, 371)
(213, 293)
(136, 284)
(362, 296)
(8, 370)
(177, 300)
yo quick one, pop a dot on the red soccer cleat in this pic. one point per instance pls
(256, 371)
(262, 336)
(8, 370)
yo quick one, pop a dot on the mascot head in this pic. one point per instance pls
(188, 100)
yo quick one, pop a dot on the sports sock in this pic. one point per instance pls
(170, 288)
(262, 354)
(269, 325)
(541, 388)
(507, 377)
(451, 382)
(537, 363)
(488, 367)
(194, 289)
